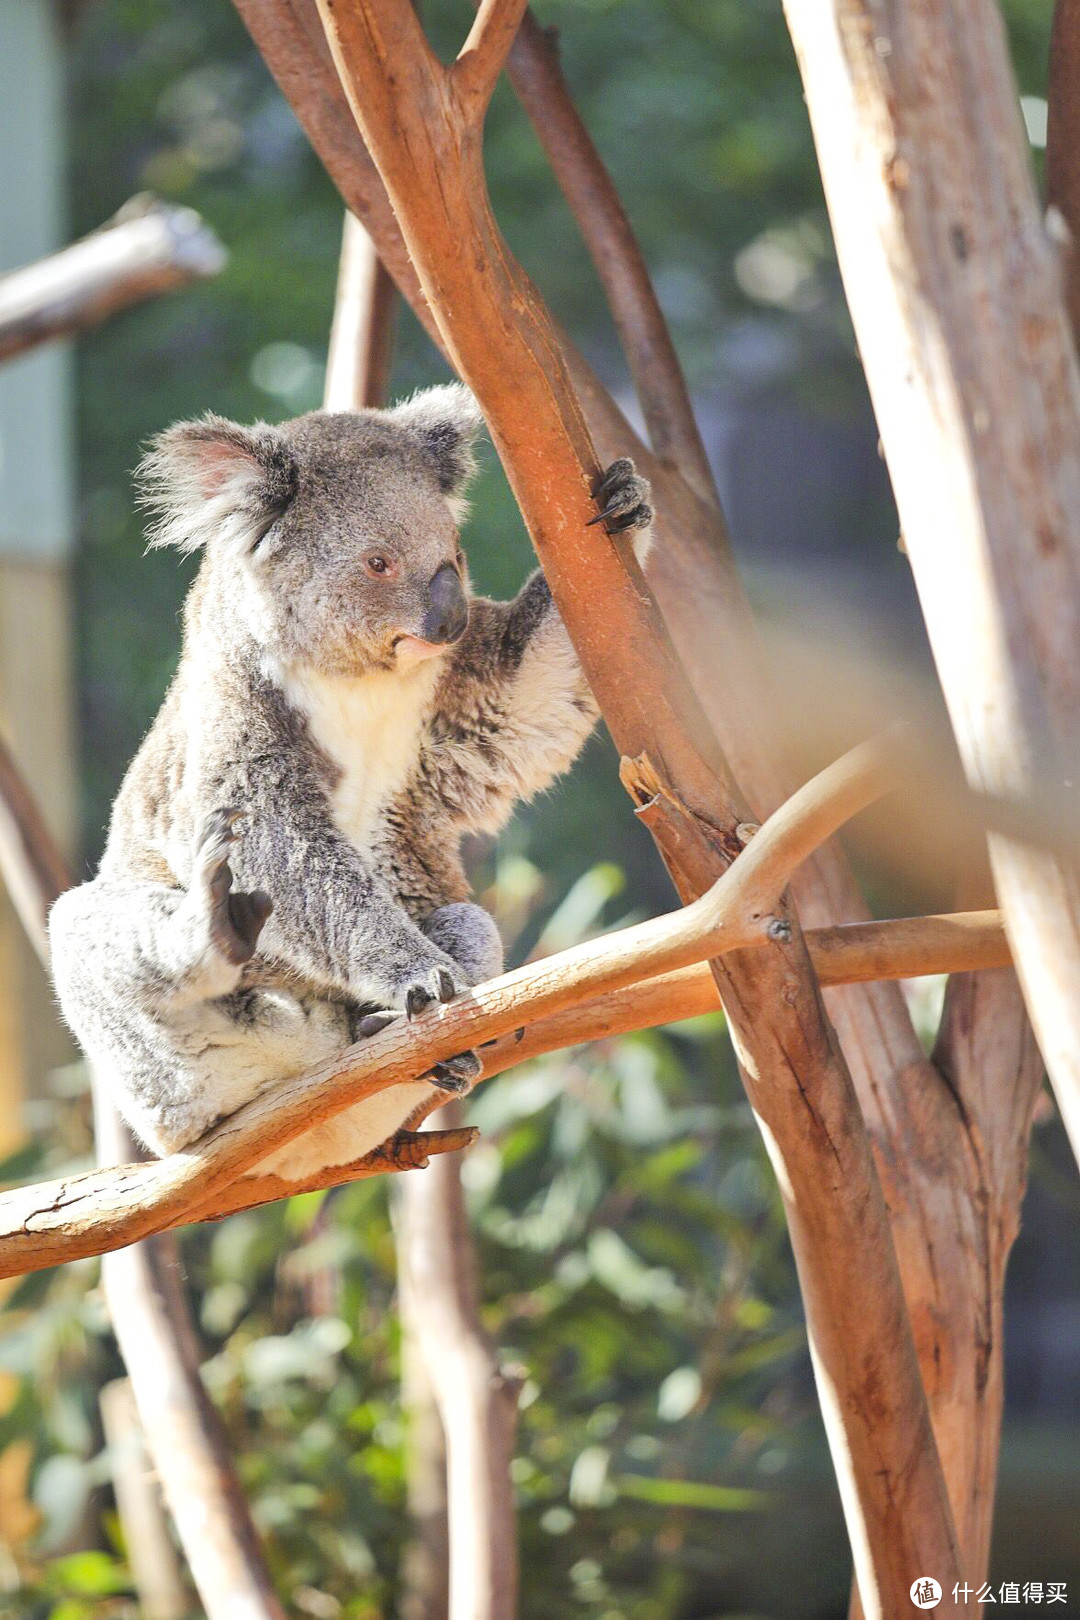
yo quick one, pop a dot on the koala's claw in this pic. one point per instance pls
(624, 498)
(247, 918)
(440, 986)
(519, 1036)
(456, 1074)
(416, 1000)
(236, 919)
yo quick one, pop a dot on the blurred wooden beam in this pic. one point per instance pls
(149, 248)
(362, 333)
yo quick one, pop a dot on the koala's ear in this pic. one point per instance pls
(213, 481)
(446, 421)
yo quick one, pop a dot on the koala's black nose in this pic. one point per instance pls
(447, 610)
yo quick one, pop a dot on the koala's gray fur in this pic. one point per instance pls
(318, 749)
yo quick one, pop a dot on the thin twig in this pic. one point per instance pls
(605, 227)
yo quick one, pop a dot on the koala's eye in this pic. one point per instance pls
(460, 559)
(379, 565)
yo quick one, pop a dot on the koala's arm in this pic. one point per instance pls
(334, 921)
(512, 713)
(515, 707)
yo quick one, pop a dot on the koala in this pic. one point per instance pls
(283, 870)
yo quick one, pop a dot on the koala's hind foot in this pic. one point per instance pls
(624, 498)
(454, 1074)
(235, 919)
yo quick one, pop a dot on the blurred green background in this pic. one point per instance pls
(671, 1464)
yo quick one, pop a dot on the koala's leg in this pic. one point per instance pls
(158, 946)
(141, 971)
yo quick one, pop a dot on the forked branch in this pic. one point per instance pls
(483, 55)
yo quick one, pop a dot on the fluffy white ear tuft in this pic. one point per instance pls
(215, 482)
(447, 421)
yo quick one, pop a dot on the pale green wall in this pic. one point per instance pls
(36, 469)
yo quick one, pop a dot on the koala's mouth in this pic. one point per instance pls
(412, 650)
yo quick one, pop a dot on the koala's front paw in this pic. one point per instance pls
(624, 498)
(440, 983)
(235, 920)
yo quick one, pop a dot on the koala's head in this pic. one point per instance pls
(332, 538)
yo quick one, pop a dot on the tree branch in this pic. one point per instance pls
(33, 867)
(362, 333)
(156, 1335)
(609, 237)
(148, 249)
(476, 1396)
(104, 1210)
(987, 1052)
(483, 55)
(853, 953)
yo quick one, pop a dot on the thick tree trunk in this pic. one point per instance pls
(955, 292)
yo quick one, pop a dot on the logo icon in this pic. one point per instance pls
(925, 1592)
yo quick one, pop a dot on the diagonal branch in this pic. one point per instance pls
(963, 943)
(106, 1209)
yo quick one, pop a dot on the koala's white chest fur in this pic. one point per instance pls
(369, 728)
